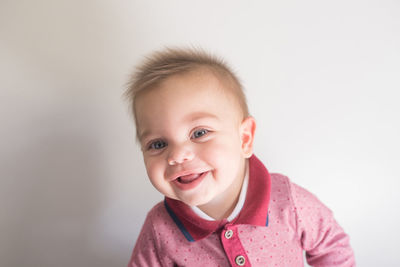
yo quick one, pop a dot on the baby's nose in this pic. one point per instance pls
(180, 154)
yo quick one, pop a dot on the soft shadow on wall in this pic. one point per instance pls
(59, 205)
(58, 174)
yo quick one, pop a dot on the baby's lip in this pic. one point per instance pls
(190, 181)
(186, 179)
(187, 175)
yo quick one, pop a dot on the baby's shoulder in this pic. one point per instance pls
(280, 184)
(157, 213)
(279, 178)
(281, 193)
(286, 193)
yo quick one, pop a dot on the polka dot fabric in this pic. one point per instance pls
(298, 222)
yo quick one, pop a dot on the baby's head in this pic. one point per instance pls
(161, 65)
(194, 128)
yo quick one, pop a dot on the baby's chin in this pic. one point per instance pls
(194, 201)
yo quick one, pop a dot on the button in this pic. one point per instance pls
(228, 234)
(240, 260)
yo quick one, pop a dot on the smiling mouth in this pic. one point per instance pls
(187, 179)
(190, 181)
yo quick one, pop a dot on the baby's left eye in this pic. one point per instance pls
(199, 133)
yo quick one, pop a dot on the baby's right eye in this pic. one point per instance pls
(159, 144)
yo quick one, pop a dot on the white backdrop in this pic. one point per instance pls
(322, 79)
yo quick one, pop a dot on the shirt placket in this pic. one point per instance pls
(233, 246)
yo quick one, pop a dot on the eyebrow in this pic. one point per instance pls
(141, 136)
(199, 115)
(190, 117)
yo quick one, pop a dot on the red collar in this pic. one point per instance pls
(254, 211)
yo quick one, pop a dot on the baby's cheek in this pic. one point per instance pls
(148, 164)
(223, 148)
(212, 151)
(153, 170)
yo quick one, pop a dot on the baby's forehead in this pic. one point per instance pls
(214, 77)
(214, 84)
(186, 98)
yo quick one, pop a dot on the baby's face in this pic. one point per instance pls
(190, 130)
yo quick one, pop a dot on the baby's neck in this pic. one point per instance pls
(222, 208)
(216, 212)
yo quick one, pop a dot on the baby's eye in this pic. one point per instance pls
(159, 144)
(199, 133)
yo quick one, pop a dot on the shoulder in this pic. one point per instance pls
(158, 210)
(286, 195)
(282, 186)
(279, 180)
(304, 205)
(161, 223)
(150, 246)
(281, 208)
(154, 219)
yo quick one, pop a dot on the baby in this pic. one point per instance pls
(222, 207)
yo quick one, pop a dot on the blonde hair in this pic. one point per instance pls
(163, 64)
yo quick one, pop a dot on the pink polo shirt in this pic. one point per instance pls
(279, 220)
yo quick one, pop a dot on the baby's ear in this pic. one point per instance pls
(247, 131)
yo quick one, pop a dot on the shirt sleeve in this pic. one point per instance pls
(145, 252)
(325, 242)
